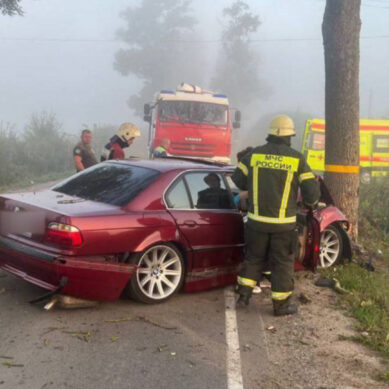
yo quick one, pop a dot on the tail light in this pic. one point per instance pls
(63, 235)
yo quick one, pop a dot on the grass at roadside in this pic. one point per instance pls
(368, 302)
(368, 297)
(27, 182)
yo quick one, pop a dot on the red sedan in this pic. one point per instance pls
(144, 229)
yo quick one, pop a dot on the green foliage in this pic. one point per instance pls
(10, 7)
(41, 150)
(155, 55)
(374, 204)
(46, 148)
(237, 67)
(368, 302)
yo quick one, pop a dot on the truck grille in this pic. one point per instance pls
(203, 148)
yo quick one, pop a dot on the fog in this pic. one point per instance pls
(59, 58)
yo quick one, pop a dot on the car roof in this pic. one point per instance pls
(173, 163)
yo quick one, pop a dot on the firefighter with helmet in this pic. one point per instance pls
(124, 138)
(272, 174)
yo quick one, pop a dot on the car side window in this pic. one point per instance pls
(177, 197)
(208, 191)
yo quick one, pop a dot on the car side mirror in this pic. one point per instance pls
(147, 118)
(237, 118)
(146, 109)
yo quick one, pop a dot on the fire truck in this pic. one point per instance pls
(374, 147)
(197, 123)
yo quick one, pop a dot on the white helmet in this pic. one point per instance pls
(282, 125)
(127, 131)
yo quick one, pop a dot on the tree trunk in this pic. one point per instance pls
(341, 28)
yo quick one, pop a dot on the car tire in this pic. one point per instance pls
(160, 274)
(331, 246)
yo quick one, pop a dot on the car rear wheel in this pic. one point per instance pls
(160, 274)
(331, 246)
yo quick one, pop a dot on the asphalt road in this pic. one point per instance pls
(192, 341)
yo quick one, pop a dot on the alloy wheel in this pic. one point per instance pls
(159, 272)
(330, 247)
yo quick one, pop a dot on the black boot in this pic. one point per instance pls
(284, 307)
(244, 293)
(243, 300)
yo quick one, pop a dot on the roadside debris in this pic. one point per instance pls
(331, 283)
(162, 347)
(114, 338)
(272, 329)
(11, 364)
(303, 298)
(82, 335)
(119, 320)
(154, 323)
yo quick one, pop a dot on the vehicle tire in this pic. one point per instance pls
(331, 246)
(159, 276)
(365, 177)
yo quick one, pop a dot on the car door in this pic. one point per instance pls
(201, 204)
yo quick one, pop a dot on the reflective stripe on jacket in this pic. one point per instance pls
(273, 174)
(159, 152)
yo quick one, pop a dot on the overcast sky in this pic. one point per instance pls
(59, 57)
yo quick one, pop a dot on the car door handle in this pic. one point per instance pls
(190, 223)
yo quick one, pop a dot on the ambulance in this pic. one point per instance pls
(374, 147)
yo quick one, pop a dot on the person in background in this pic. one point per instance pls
(124, 138)
(83, 153)
(162, 150)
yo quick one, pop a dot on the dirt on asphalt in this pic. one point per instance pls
(311, 350)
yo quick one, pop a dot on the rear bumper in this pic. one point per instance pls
(89, 277)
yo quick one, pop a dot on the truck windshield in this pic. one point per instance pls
(193, 112)
(110, 183)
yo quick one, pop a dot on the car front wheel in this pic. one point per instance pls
(160, 274)
(331, 246)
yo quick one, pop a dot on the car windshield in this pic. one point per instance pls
(110, 183)
(193, 112)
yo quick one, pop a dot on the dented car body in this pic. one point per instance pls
(142, 228)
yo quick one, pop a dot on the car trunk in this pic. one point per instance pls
(26, 215)
(25, 253)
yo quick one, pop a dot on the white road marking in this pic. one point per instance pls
(234, 367)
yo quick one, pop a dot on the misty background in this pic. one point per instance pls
(65, 62)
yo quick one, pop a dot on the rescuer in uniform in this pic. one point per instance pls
(83, 154)
(272, 174)
(124, 138)
(161, 150)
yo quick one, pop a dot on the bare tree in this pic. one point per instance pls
(341, 30)
(155, 32)
(237, 66)
(10, 7)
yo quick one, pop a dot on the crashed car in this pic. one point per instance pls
(144, 229)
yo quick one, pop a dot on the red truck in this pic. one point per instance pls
(197, 122)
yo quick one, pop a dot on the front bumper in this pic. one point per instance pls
(89, 277)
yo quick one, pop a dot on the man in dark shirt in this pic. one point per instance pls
(213, 197)
(83, 154)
